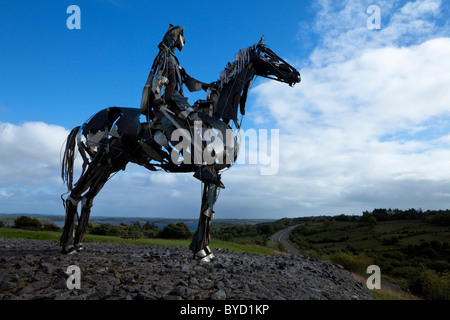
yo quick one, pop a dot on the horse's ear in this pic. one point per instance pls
(261, 41)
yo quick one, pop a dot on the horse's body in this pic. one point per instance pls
(113, 137)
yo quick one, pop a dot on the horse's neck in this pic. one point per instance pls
(241, 61)
(233, 85)
(232, 92)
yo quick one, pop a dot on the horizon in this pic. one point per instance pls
(125, 217)
(215, 219)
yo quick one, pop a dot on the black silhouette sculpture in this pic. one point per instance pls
(174, 141)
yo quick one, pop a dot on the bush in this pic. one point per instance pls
(133, 233)
(1, 224)
(27, 223)
(51, 227)
(357, 264)
(280, 246)
(432, 285)
(176, 231)
(108, 229)
(150, 230)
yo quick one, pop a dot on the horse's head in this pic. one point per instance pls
(234, 83)
(267, 64)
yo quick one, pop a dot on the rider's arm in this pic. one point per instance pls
(191, 83)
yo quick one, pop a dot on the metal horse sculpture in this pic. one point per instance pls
(113, 137)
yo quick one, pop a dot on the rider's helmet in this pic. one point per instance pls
(174, 37)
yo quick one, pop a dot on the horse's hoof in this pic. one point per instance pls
(210, 255)
(70, 250)
(205, 259)
(203, 256)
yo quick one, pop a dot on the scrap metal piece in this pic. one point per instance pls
(206, 175)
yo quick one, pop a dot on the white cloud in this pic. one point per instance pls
(364, 128)
(342, 27)
(29, 167)
(29, 152)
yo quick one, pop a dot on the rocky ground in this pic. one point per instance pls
(34, 269)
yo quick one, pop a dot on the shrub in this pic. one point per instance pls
(27, 223)
(353, 263)
(280, 246)
(432, 285)
(51, 227)
(150, 230)
(108, 229)
(176, 231)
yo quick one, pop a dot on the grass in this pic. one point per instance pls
(356, 245)
(386, 292)
(54, 236)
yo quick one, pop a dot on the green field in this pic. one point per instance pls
(413, 254)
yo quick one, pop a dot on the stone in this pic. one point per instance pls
(5, 285)
(219, 295)
(35, 269)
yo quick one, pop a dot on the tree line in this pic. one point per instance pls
(150, 230)
(134, 231)
(439, 217)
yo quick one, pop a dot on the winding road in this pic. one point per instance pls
(282, 237)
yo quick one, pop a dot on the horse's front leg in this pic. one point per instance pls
(67, 237)
(86, 205)
(201, 239)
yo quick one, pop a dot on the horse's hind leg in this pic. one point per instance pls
(86, 205)
(67, 237)
(71, 204)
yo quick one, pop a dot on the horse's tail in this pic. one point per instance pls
(69, 158)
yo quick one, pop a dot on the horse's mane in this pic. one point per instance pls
(233, 86)
(241, 59)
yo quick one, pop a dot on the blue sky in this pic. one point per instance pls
(367, 127)
(62, 76)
